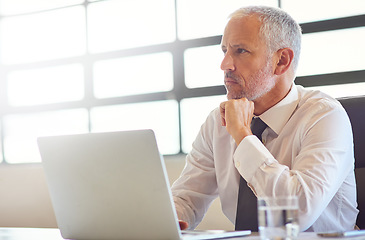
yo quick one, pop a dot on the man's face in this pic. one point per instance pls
(247, 67)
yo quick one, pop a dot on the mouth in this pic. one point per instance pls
(229, 79)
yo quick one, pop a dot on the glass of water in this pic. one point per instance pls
(278, 218)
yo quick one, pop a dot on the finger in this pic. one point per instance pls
(223, 113)
(183, 225)
(223, 121)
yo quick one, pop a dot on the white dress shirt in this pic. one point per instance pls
(307, 151)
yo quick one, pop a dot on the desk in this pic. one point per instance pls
(30, 234)
(54, 234)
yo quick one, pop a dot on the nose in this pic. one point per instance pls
(227, 63)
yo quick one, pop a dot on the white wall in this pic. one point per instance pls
(214, 219)
(24, 198)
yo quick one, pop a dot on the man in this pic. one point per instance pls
(306, 148)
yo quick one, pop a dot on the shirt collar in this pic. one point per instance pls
(277, 116)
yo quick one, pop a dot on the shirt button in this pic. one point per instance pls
(238, 164)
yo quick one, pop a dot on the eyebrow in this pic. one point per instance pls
(239, 46)
(235, 46)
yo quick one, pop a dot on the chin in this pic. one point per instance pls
(234, 96)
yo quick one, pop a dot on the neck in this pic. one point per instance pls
(270, 99)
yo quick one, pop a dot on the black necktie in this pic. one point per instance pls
(246, 217)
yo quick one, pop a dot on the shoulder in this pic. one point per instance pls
(316, 108)
(316, 102)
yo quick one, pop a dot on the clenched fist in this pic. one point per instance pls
(236, 115)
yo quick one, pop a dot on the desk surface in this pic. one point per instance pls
(54, 234)
(30, 234)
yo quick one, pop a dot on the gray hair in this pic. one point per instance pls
(278, 29)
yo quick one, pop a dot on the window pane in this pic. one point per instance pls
(203, 18)
(160, 116)
(125, 24)
(202, 66)
(332, 51)
(21, 131)
(46, 85)
(133, 75)
(43, 36)
(9, 7)
(194, 112)
(342, 90)
(314, 10)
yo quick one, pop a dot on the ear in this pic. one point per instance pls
(284, 59)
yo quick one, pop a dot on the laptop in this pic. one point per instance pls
(113, 185)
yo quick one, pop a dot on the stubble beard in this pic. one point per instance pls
(255, 87)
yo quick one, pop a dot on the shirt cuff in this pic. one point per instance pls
(250, 155)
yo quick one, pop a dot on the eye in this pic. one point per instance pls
(241, 50)
(224, 51)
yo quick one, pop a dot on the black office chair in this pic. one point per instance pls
(355, 108)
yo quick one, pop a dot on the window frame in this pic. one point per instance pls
(179, 91)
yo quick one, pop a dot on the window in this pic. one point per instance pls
(13, 7)
(342, 90)
(114, 25)
(205, 18)
(133, 75)
(22, 130)
(202, 66)
(194, 111)
(44, 36)
(160, 116)
(314, 10)
(76, 66)
(332, 51)
(46, 85)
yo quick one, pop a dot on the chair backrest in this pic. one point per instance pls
(355, 108)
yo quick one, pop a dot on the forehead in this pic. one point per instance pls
(243, 30)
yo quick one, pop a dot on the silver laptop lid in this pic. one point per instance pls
(109, 186)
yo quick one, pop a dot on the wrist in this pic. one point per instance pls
(240, 135)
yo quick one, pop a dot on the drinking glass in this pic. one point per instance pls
(278, 218)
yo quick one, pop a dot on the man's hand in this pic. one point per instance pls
(183, 225)
(236, 115)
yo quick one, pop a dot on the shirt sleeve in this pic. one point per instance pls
(196, 188)
(321, 159)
